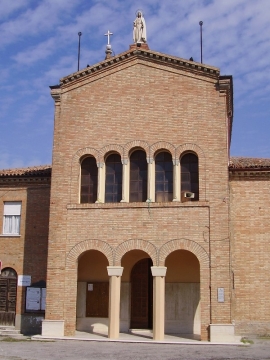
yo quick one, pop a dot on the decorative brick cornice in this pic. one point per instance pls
(149, 55)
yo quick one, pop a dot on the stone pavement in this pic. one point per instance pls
(96, 350)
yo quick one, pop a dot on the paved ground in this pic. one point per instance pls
(81, 350)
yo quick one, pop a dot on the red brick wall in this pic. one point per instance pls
(250, 233)
(152, 103)
(27, 253)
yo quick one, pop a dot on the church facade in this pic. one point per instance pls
(151, 224)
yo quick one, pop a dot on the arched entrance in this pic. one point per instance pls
(92, 292)
(182, 294)
(141, 311)
(8, 295)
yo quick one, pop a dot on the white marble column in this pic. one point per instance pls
(176, 180)
(115, 273)
(125, 181)
(101, 183)
(158, 273)
(151, 180)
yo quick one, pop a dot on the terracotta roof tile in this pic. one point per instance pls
(241, 163)
(42, 170)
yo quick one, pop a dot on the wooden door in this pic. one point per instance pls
(141, 295)
(8, 292)
(97, 299)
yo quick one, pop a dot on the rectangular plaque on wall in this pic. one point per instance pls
(221, 296)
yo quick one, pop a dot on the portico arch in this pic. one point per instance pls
(204, 277)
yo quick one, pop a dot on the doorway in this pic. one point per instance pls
(142, 295)
(8, 295)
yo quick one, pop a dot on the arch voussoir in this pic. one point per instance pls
(183, 244)
(135, 244)
(86, 245)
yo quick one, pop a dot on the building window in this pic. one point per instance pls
(138, 176)
(12, 217)
(89, 180)
(113, 183)
(190, 175)
(164, 177)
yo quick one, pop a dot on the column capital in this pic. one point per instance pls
(159, 271)
(115, 270)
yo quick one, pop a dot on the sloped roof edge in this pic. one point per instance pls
(248, 163)
(142, 53)
(34, 171)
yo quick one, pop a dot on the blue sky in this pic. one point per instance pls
(39, 41)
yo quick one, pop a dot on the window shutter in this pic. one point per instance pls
(12, 208)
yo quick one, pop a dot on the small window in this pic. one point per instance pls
(190, 175)
(113, 184)
(89, 179)
(164, 177)
(138, 176)
(12, 218)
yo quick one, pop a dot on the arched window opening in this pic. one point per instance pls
(89, 180)
(113, 185)
(190, 177)
(164, 177)
(138, 176)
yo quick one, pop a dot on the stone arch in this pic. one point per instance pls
(162, 145)
(137, 244)
(75, 170)
(184, 244)
(111, 148)
(190, 147)
(134, 144)
(86, 245)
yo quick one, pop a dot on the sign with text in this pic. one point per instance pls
(24, 280)
(221, 296)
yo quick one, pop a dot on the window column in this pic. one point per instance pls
(125, 182)
(151, 180)
(101, 183)
(176, 180)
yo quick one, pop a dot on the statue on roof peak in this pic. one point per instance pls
(139, 28)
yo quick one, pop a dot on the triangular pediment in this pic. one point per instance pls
(143, 55)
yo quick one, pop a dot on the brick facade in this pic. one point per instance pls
(154, 102)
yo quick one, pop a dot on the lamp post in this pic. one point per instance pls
(201, 24)
(79, 49)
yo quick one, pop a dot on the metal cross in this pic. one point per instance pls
(108, 33)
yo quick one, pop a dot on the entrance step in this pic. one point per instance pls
(10, 331)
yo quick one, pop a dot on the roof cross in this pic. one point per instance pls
(108, 33)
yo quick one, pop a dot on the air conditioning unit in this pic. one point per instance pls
(187, 196)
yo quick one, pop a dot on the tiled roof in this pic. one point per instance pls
(247, 163)
(42, 170)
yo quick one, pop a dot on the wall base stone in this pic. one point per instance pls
(53, 327)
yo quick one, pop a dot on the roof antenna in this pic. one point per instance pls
(108, 50)
(201, 24)
(79, 49)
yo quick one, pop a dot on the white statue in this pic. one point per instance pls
(139, 29)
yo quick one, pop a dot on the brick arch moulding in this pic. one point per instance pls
(86, 245)
(135, 244)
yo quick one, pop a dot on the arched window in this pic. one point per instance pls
(138, 176)
(164, 177)
(113, 185)
(190, 175)
(89, 180)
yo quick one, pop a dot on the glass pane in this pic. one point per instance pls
(109, 188)
(159, 197)
(159, 166)
(134, 186)
(160, 186)
(168, 166)
(109, 178)
(109, 198)
(159, 176)
(134, 175)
